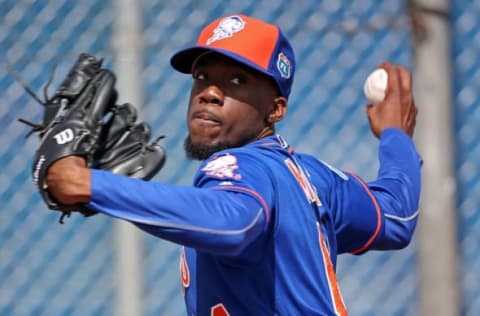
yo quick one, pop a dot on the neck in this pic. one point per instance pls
(266, 132)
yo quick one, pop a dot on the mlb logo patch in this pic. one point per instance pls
(284, 65)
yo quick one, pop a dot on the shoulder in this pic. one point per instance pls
(320, 167)
(247, 154)
(235, 164)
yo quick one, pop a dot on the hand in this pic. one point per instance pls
(398, 110)
(68, 180)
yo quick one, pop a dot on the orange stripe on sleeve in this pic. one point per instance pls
(379, 217)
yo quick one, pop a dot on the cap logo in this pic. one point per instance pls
(284, 65)
(226, 28)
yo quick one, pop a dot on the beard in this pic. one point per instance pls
(201, 151)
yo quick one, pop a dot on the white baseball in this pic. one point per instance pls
(375, 86)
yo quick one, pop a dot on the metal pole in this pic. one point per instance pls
(436, 234)
(127, 50)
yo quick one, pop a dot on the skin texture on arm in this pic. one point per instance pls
(68, 180)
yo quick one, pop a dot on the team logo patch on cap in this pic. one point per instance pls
(224, 166)
(284, 65)
(226, 28)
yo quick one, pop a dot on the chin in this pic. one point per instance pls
(200, 150)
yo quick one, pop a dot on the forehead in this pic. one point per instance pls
(212, 59)
(223, 64)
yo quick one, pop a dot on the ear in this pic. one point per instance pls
(280, 105)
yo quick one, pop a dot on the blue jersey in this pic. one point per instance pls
(262, 225)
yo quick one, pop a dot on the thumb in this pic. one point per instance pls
(369, 108)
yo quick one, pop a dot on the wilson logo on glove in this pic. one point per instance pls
(64, 136)
(85, 120)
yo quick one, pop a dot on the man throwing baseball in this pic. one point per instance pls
(262, 224)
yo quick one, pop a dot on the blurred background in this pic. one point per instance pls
(98, 266)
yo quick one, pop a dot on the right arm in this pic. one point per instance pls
(382, 214)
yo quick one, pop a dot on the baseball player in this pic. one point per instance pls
(262, 224)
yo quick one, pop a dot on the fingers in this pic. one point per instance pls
(393, 84)
(405, 78)
(411, 120)
(409, 110)
(370, 109)
(406, 91)
(398, 109)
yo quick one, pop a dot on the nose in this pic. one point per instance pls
(212, 94)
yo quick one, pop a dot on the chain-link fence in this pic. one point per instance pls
(466, 53)
(52, 269)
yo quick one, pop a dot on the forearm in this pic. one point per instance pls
(212, 220)
(217, 221)
(397, 189)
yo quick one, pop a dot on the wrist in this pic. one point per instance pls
(68, 180)
(392, 131)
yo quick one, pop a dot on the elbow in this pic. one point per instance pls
(393, 243)
(400, 235)
(402, 242)
(231, 245)
(234, 235)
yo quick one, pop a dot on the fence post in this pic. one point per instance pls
(436, 234)
(127, 51)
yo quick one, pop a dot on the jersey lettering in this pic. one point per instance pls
(305, 184)
(219, 310)
(184, 271)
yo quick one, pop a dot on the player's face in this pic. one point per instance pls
(229, 106)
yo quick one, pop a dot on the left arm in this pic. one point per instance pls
(214, 220)
(221, 219)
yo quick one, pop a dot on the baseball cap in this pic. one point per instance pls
(252, 42)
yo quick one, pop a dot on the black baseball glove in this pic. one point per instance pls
(82, 119)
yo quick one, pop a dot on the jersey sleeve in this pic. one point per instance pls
(223, 214)
(381, 214)
(237, 171)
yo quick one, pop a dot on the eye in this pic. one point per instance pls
(238, 79)
(199, 76)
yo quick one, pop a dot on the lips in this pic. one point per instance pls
(206, 117)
